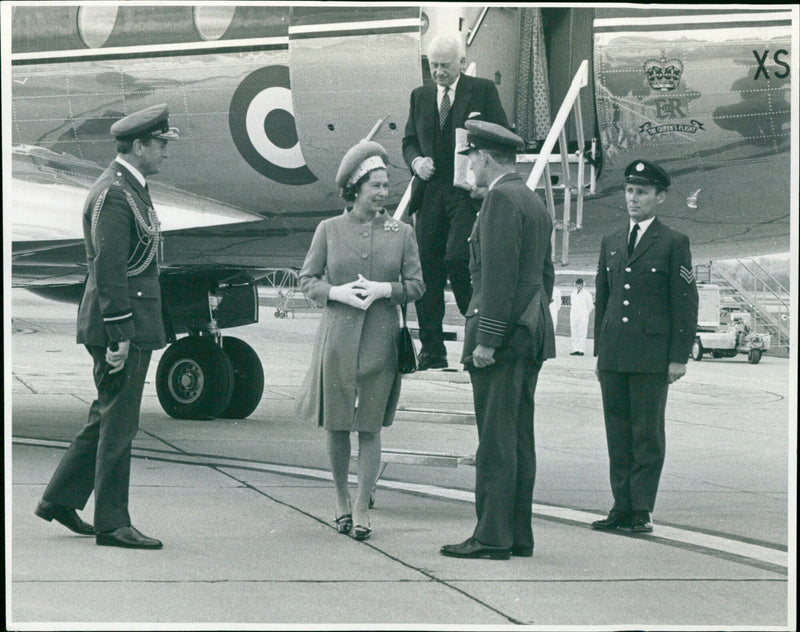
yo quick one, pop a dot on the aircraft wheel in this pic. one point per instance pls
(697, 350)
(194, 379)
(248, 378)
(754, 357)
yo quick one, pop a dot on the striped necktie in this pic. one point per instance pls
(444, 108)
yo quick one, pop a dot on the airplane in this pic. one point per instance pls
(268, 98)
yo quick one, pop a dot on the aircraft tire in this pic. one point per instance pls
(194, 379)
(754, 357)
(697, 350)
(248, 378)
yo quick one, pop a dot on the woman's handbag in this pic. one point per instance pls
(406, 354)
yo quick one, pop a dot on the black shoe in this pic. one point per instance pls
(65, 515)
(127, 537)
(361, 533)
(614, 520)
(577, 353)
(641, 522)
(344, 524)
(522, 551)
(473, 549)
(426, 360)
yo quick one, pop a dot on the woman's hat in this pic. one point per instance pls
(360, 159)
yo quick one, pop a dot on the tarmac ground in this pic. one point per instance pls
(245, 507)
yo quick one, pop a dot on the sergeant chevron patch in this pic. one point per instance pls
(687, 274)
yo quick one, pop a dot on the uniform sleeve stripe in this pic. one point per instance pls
(486, 319)
(491, 326)
(118, 318)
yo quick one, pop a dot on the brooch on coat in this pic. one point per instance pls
(392, 225)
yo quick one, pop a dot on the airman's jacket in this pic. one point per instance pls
(646, 304)
(122, 297)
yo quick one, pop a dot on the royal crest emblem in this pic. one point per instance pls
(663, 74)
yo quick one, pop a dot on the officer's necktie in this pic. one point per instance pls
(444, 108)
(632, 239)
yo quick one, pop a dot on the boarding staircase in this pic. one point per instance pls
(582, 162)
(569, 187)
(748, 287)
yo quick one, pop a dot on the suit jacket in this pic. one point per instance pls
(122, 297)
(512, 271)
(647, 304)
(473, 95)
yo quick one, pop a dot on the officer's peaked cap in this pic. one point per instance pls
(643, 172)
(152, 122)
(485, 135)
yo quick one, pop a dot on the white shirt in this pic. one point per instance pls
(136, 173)
(643, 226)
(451, 92)
(439, 94)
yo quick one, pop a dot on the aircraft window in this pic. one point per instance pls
(213, 20)
(95, 23)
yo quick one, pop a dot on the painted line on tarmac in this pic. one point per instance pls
(684, 537)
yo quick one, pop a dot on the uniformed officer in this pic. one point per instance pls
(120, 322)
(507, 336)
(646, 302)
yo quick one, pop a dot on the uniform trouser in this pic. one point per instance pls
(579, 326)
(99, 458)
(505, 463)
(443, 226)
(634, 405)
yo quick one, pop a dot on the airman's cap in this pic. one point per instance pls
(643, 172)
(151, 122)
(362, 158)
(485, 135)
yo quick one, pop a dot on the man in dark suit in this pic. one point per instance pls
(646, 301)
(445, 213)
(508, 334)
(120, 322)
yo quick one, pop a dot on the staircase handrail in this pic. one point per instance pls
(580, 80)
(769, 275)
(765, 316)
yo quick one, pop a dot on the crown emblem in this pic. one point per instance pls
(663, 74)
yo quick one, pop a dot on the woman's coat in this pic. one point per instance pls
(353, 383)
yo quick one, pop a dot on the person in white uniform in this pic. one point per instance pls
(582, 303)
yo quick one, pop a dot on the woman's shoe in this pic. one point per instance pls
(361, 533)
(344, 524)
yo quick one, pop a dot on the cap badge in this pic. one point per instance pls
(640, 167)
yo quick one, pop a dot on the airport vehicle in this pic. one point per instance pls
(726, 339)
(268, 98)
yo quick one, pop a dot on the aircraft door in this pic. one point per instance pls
(351, 67)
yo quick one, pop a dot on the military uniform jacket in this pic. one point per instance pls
(122, 297)
(647, 304)
(512, 270)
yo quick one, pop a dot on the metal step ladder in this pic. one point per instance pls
(756, 291)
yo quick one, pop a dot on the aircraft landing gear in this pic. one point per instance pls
(206, 375)
(194, 379)
(199, 379)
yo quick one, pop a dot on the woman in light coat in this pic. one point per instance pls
(362, 265)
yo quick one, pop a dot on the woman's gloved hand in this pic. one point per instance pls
(349, 294)
(373, 290)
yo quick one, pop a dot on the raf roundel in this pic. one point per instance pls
(262, 124)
